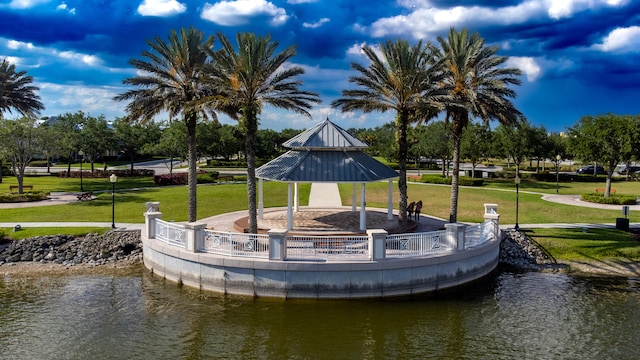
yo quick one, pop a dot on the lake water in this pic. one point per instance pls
(505, 316)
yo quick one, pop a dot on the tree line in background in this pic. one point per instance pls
(608, 139)
(184, 76)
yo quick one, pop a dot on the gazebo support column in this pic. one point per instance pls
(289, 208)
(260, 201)
(390, 201)
(363, 207)
(295, 197)
(354, 201)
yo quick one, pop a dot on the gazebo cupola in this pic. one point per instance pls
(325, 153)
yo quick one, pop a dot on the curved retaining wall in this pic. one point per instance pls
(300, 279)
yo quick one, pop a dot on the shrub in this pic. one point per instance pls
(181, 178)
(463, 180)
(613, 199)
(205, 178)
(26, 197)
(38, 163)
(467, 181)
(436, 179)
(97, 174)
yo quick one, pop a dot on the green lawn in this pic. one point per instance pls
(590, 245)
(213, 199)
(30, 232)
(531, 208)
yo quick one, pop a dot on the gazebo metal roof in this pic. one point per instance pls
(325, 153)
(325, 135)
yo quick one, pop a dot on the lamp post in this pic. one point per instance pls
(113, 178)
(557, 169)
(81, 153)
(517, 181)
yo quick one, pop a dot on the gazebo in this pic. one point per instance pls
(325, 153)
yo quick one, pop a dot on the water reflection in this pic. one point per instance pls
(505, 316)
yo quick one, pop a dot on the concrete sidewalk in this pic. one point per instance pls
(25, 225)
(324, 195)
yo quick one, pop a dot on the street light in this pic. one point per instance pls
(81, 153)
(517, 181)
(113, 178)
(558, 157)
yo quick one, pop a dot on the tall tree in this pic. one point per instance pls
(67, 128)
(130, 138)
(171, 81)
(515, 142)
(404, 79)
(439, 144)
(172, 143)
(476, 144)
(20, 140)
(95, 138)
(605, 138)
(16, 91)
(478, 86)
(244, 81)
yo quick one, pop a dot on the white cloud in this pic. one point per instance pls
(621, 40)
(19, 45)
(425, 19)
(26, 4)
(94, 100)
(295, 2)
(161, 8)
(64, 7)
(239, 12)
(90, 60)
(316, 24)
(13, 60)
(557, 9)
(527, 65)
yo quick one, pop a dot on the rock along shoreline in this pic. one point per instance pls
(115, 248)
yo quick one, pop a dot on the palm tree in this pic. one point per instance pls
(244, 81)
(477, 85)
(404, 80)
(171, 81)
(16, 91)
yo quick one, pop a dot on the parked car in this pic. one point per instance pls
(588, 170)
(631, 169)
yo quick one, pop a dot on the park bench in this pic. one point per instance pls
(14, 188)
(602, 190)
(85, 196)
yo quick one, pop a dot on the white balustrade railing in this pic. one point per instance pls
(321, 247)
(417, 244)
(170, 232)
(327, 247)
(479, 234)
(236, 244)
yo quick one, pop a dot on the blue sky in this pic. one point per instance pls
(578, 57)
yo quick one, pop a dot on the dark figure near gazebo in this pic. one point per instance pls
(410, 208)
(418, 209)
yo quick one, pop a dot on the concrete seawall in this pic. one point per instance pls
(321, 280)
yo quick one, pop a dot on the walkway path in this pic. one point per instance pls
(324, 195)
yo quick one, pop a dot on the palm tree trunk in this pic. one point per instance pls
(251, 123)
(457, 137)
(402, 164)
(193, 180)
